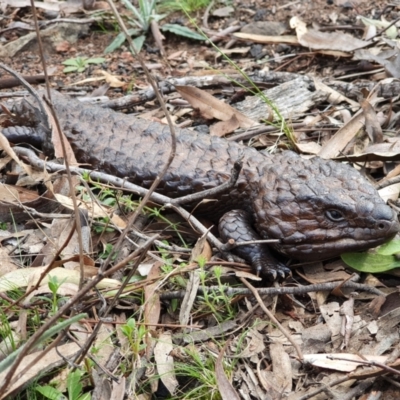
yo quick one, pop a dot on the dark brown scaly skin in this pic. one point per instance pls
(317, 208)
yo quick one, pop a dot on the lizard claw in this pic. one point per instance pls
(277, 271)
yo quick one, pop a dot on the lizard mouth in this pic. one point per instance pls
(361, 240)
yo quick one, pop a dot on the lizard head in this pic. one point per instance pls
(320, 209)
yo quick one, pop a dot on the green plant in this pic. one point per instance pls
(54, 286)
(102, 225)
(79, 64)
(135, 334)
(109, 248)
(198, 370)
(219, 303)
(74, 388)
(140, 22)
(186, 6)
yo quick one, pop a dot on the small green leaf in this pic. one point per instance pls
(97, 60)
(138, 43)
(85, 396)
(119, 40)
(50, 392)
(390, 248)
(70, 69)
(372, 263)
(71, 61)
(74, 385)
(182, 31)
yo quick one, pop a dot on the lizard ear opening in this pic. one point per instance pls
(334, 215)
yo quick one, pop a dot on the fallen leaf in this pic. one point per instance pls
(210, 107)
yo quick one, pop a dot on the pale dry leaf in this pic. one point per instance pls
(281, 367)
(189, 297)
(88, 80)
(210, 107)
(112, 80)
(254, 344)
(309, 148)
(225, 388)
(334, 97)
(201, 249)
(94, 210)
(22, 277)
(118, 389)
(60, 230)
(347, 363)
(318, 40)
(347, 313)
(342, 137)
(6, 263)
(66, 289)
(223, 11)
(152, 307)
(5, 145)
(165, 362)
(283, 39)
(390, 192)
(104, 344)
(391, 32)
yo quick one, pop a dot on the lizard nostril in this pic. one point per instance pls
(381, 226)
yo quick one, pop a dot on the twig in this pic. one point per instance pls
(274, 291)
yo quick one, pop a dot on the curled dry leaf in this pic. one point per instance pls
(210, 107)
(344, 362)
(331, 41)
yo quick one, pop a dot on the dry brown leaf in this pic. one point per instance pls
(372, 126)
(286, 39)
(309, 148)
(318, 40)
(224, 127)
(152, 308)
(334, 97)
(226, 389)
(210, 107)
(342, 137)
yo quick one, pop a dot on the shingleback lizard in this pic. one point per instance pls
(316, 208)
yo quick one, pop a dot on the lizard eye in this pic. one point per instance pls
(334, 215)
